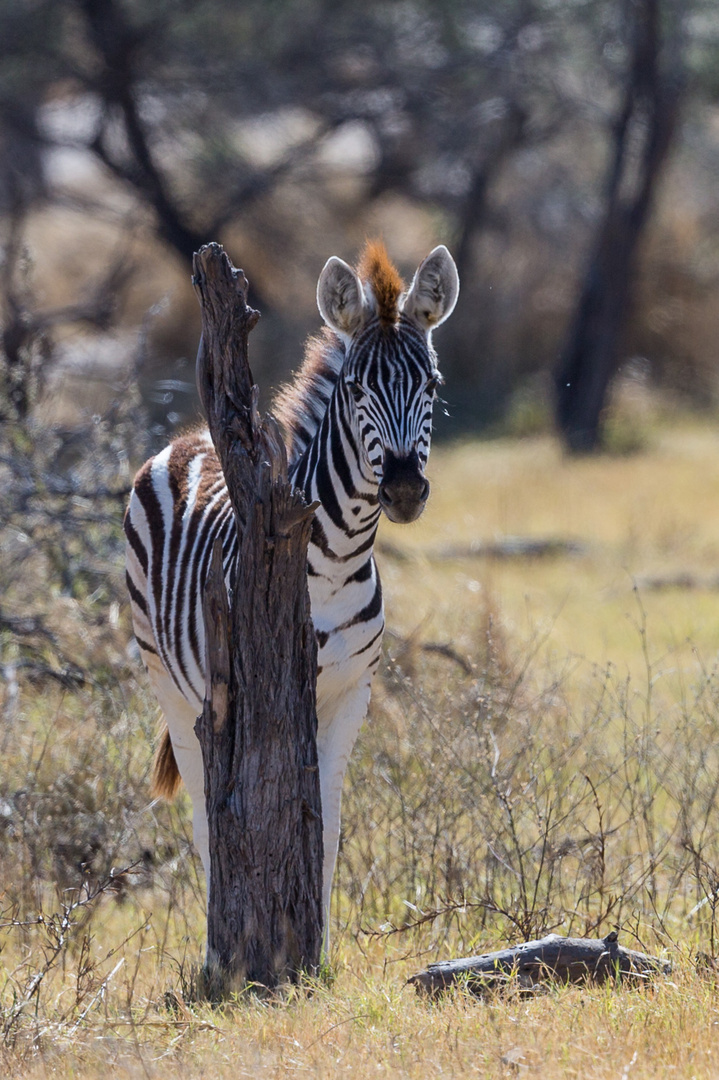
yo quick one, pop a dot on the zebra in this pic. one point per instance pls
(357, 420)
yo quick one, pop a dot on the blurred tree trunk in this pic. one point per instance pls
(118, 44)
(258, 726)
(642, 138)
(474, 207)
(470, 367)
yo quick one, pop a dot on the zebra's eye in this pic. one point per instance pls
(355, 389)
(432, 384)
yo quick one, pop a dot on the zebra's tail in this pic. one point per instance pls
(166, 779)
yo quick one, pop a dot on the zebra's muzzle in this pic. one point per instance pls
(404, 488)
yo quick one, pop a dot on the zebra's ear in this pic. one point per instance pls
(340, 297)
(434, 290)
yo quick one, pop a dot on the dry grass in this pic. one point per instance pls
(650, 518)
(551, 762)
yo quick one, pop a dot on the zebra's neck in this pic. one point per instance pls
(333, 471)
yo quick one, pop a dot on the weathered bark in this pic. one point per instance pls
(550, 959)
(258, 726)
(647, 117)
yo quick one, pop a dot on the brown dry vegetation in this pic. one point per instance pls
(541, 754)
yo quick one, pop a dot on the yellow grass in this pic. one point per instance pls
(651, 515)
(561, 620)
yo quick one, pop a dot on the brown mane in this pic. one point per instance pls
(383, 278)
(302, 402)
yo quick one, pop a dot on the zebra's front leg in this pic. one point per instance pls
(336, 736)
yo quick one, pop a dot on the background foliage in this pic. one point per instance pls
(133, 132)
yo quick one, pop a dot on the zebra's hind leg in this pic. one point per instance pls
(181, 716)
(189, 762)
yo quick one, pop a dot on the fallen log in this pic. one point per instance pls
(512, 547)
(549, 959)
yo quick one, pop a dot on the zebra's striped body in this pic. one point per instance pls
(358, 420)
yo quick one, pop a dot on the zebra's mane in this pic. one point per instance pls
(382, 277)
(302, 402)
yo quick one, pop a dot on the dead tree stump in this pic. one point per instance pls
(258, 726)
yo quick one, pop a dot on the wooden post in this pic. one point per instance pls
(258, 725)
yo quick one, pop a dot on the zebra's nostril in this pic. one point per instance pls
(424, 493)
(385, 495)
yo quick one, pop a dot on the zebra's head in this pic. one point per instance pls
(389, 379)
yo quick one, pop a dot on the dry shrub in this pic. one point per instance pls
(98, 882)
(77, 726)
(493, 805)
